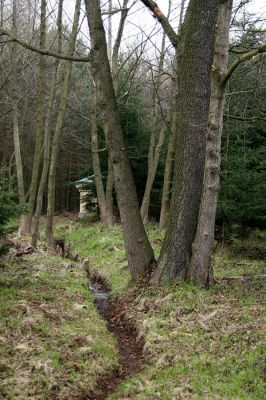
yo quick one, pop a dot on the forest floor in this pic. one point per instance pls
(188, 343)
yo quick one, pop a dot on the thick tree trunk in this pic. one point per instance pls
(168, 172)
(139, 252)
(59, 127)
(194, 79)
(200, 271)
(47, 133)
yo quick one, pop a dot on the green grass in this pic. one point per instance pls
(199, 344)
(53, 342)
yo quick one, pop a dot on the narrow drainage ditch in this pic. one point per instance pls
(129, 344)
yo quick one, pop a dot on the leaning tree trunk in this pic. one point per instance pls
(194, 82)
(139, 252)
(59, 127)
(200, 271)
(47, 133)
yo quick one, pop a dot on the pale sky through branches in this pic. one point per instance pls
(141, 25)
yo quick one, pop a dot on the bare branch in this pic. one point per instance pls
(167, 27)
(244, 57)
(44, 52)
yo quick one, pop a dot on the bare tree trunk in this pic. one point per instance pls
(59, 127)
(169, 163)
(39, 119)
(200, 271)
(155, 149)
(139, 252)
(47, 132)
(194, 83)
(95, 158)
(109, 195)
(168, 172)
(15, 118)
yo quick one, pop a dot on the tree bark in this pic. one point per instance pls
(96, 159)
(168, 172)
(155, 149)
(169, 162)
(59, 127)
(200, 271)
(39, 119)
(47, 133)
(194, 79)
(15, 119)
(139, 252)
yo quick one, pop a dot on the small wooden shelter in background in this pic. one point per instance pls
(83, 186)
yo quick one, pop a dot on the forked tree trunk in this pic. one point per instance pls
(194, 82)
(200, 271)
(59, 127)
(139, 252)
(47, 133)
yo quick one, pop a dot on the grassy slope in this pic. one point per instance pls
(202, 344)
(53, 344)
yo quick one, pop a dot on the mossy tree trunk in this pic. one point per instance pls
(200, 271)
(194, 84)
(139, 252)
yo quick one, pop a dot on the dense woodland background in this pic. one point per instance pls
(145, 99)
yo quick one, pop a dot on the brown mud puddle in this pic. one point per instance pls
(129, 344)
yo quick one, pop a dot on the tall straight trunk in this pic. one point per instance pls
(113, 57)
(109, 195)
(96, 159)
(155, 149)
(168, 172)
(15, 117)
(39, 119)
(47, 132)
(194, 83)
(139, 252)
(200, 271)
(59, 127)
(169, 162)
